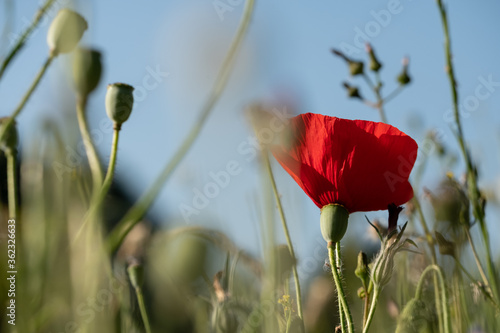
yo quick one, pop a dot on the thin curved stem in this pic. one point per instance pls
(486, 293)
(108, 180)
(287, 236)
(22, 40)
(97, 202)
(340, 289)
(476, 258)
(139, 209)
(393, 94)
(8, 123)
(11, 183)
(444, 293)
(93, 157)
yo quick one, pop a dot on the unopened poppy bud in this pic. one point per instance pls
(404, 78)
(361, 292)
(136, 273)
(356, 67)
(352, 91)
(10, 138)
(333, 220)
(87, 68)
(445, 247)
(375, 65)
(413, 317)
(65, 31)
(362, 268)
(119, 102)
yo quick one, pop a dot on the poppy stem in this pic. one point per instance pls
(20, 42)
(287, 236)
(338, 259)
(135, 214)
(340, 289)
(97, 202)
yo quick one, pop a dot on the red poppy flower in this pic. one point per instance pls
(361, 165)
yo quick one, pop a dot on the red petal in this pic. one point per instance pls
(360, 164)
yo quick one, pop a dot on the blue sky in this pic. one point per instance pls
(286, 56)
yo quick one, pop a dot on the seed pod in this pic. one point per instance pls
(65, 31)
(119, 102)
(87, 69)
(333, 220)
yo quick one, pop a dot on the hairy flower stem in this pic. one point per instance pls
(474, 192)
(4, 129)
(443, 293)
(22, 40)
(338, 260)
(134, 215)
(11, 182)
(287, 236)
(340, 288)
(93, 158)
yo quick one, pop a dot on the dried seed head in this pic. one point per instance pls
(119, 102)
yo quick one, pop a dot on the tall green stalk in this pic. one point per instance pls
(474, 192)
(287, 236)
(134, 215)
